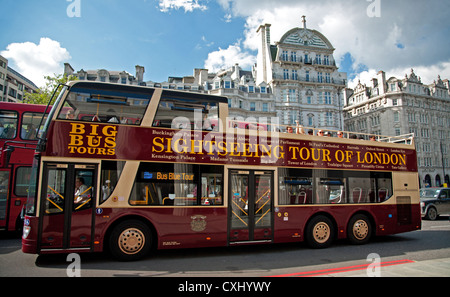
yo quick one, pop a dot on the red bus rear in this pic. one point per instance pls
(19, 125)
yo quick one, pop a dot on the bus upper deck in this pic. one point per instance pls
(95, 116)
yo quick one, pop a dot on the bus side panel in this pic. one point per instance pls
(175, 227)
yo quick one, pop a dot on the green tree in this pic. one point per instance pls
(44, 94)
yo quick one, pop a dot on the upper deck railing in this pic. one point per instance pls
(321, 132)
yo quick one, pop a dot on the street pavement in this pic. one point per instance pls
(405, 268)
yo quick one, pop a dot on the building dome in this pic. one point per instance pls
(306, 37)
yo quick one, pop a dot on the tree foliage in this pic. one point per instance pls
(44, 94)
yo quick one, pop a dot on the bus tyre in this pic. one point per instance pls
(359, 229)
(130, 240)
(320, 232)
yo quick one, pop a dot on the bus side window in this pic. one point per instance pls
(22, 183)
(177, 184)
(179, 113)
(30, 125)
(111, 171)
(211, 189)
(8, 124)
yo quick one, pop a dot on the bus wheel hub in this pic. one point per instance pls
(131, 241)
(360, 229)
(321, 232)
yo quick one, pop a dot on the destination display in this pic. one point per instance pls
(88, 140)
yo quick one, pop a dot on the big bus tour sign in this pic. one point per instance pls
(254, 148)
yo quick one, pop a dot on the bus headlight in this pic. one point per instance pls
(26, 231)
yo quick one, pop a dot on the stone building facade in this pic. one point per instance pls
(302, 72)
(13, 85)
(399, 106)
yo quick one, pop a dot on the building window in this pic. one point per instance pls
(285, 74)
(294, 56)
(319, 59)
(310, 120)
(328, 98)
(294, 75)
(227, 84)
(328, 119)
(307, 76)
(252, 106)
(285, 56)
(292, 95)
(396, 116)
(319, 77)
(265, 107)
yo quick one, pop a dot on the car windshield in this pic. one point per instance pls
(429, 193)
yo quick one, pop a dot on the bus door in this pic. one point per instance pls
(4, 193)
(67, 206)
(250, 205)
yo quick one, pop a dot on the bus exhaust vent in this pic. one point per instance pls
(404, 212)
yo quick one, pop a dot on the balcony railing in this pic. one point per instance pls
(341, 82)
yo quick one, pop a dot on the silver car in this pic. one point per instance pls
(434, 202)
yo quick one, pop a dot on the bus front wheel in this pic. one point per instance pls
(130, 240)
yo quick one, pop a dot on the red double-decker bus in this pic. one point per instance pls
(19, 125)
(129, 168)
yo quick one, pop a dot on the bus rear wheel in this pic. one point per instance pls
(359, 229)
(320, 232)
(130, 240)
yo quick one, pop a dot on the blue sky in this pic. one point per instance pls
(172, 37)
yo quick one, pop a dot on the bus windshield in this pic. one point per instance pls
(104, 106)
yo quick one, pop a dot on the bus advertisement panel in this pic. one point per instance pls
(85, 140)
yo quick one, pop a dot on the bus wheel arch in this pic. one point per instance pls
(130, 238)
(360, 228)
(320, 231)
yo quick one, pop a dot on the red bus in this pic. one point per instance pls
(18, 129)
(135, 168)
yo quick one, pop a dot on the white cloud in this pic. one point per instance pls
(35, 61)
(406, 35)
(187, 5)
(224, 58)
